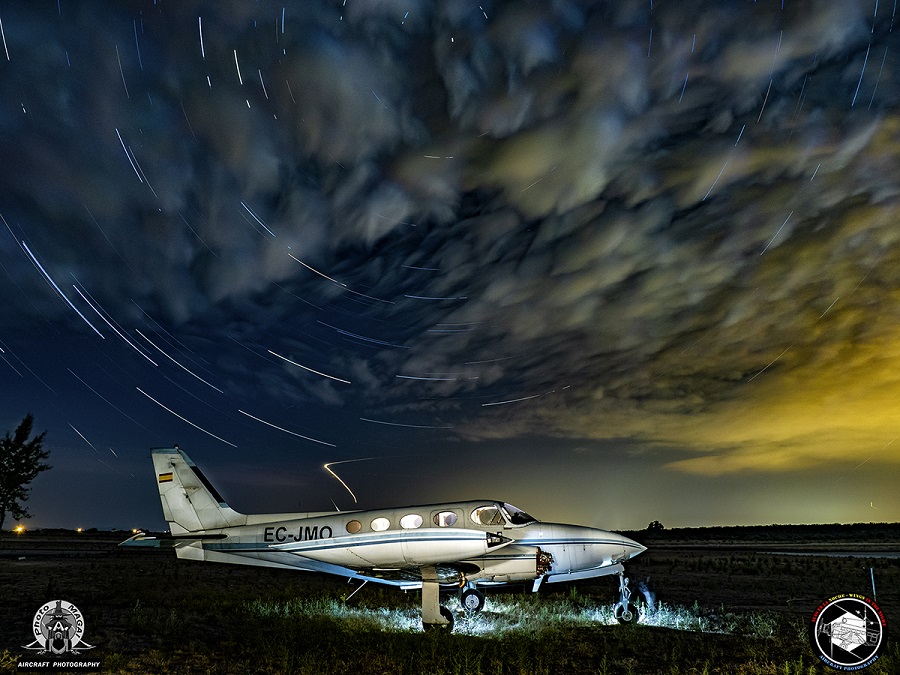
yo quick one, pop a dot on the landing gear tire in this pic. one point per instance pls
(627, 613)
(443, 627)
(472, 600)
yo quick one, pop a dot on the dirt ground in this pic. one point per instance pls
(127, 594)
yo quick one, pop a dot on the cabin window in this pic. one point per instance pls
(411, 521)
(445, 519)
(354, 526)
(488, 515)
(380, 524)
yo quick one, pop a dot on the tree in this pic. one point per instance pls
(655, 526)
(20, 461)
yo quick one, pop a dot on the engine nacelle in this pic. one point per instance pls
(513, 563)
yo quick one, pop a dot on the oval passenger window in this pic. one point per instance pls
(354, 526)
(411, 521)
(380, 524)
(445, 519)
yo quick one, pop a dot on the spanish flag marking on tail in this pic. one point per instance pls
(165, 477)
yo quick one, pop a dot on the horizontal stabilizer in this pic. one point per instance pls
(168, 540)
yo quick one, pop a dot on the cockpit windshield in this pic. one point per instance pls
(517, 516)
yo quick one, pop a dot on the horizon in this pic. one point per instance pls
(652, 531)
(609, 262)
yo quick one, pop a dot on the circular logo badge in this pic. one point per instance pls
(58, 627)
(848, 632)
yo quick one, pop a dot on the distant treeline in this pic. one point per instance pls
(856, 532)
(64, 532)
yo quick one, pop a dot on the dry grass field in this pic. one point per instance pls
(731, 600)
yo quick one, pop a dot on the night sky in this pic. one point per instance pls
(612, 262)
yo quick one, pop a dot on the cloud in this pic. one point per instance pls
(645, 223)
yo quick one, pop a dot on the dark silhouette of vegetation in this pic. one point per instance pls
(21, 460)
(656, 526)
(872, 533)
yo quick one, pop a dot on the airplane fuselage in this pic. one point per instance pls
(479, 536)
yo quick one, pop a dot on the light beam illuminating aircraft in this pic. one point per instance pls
(459, 545)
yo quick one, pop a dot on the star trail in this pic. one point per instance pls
(614, 262)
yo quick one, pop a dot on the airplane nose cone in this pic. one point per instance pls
(632, 548)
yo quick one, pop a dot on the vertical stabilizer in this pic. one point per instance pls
(190, 503)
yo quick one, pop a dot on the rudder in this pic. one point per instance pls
(190, 502)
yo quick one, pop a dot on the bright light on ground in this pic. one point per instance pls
(517, 614)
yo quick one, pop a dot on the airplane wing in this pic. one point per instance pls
(246, 555)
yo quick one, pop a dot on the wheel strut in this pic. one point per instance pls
(625, 611)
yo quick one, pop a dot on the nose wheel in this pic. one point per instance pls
(627, 613)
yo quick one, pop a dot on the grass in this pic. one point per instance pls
(515, 634)
(517, 614)
(722, 612)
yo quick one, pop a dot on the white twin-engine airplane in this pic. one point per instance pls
(460, 545)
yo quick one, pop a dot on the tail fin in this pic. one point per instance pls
(190, 503)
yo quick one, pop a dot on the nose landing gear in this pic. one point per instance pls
(625, 610)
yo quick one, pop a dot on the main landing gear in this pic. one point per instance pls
(434, 617)
(445, 627)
